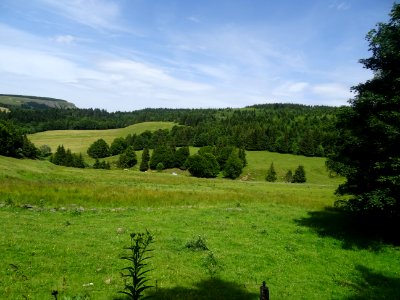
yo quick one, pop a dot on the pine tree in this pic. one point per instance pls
(299, 175)
(144, 164)
(233, 166)
(271, 174)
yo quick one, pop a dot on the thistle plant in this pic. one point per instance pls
(137, 271)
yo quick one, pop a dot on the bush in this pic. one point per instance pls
(99, 149)
(160, 167)
(118, 146)
(205, 166)
(127, 159)
(233, 166)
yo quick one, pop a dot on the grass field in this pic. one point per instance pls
(80, 140)
(64, 229)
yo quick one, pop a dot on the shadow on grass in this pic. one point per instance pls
(352, 231)
(204, 290)
(375, 286)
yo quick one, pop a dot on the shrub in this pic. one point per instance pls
(99, 149)
(233, 166)
(197, 244)
(203, 165)
(127, 159)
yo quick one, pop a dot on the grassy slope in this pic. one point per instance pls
(256, 230)
(80, 140)
(50, 102)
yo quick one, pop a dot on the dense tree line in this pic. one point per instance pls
(284, 128)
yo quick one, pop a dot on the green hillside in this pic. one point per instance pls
(33, 102)
(80, 140)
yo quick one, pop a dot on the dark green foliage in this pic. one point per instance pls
(137, 271)
(44, 151)
(289, 176)
(207, 149)
(197, 244)
(299, 175)
(28, 149)
(271, 174)
(181, 156)
(99, 149)
(144, 164)
(101, 164)
(160, 166)
(285, 128)
(15, 144)
(128, 159)
(164, 154)
(222, 154)
(367, 149)
(118, 146)
(65, 158)
(205, 165)
(242, 156)
(233, 166)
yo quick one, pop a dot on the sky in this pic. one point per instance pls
(125, 55)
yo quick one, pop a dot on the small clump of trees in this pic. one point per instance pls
(209, 161)
(299, 175)
(64, 157)
(14, 143)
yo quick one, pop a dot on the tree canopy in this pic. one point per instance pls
(368, 145)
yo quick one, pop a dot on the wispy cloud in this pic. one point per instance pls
(340, 5)
(98, 14)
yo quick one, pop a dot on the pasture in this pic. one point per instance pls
(64, 229)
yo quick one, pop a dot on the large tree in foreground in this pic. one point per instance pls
(368, 150)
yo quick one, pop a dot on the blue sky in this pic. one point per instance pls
(131, 54)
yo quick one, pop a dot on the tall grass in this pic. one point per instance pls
(64, 229)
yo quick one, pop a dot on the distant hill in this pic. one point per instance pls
(33, 102)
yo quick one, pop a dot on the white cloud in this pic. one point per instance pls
(65, 39)
(98, 14)
(332, 92)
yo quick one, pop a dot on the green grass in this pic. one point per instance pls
(277, 232)
(80, 140)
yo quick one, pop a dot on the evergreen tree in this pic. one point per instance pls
(164, 154)
(368, 145)
(181, 155)
(271, 174)
(118, 146)
(99, 149)
(289, 176)
(233, 166)
(59, 157)
(78, 161)
(144, 164)
(127, 159)
(299, 175)
(242, 156)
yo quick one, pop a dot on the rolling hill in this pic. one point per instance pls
(9, 101)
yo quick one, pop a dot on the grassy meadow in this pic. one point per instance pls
(64, 229)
